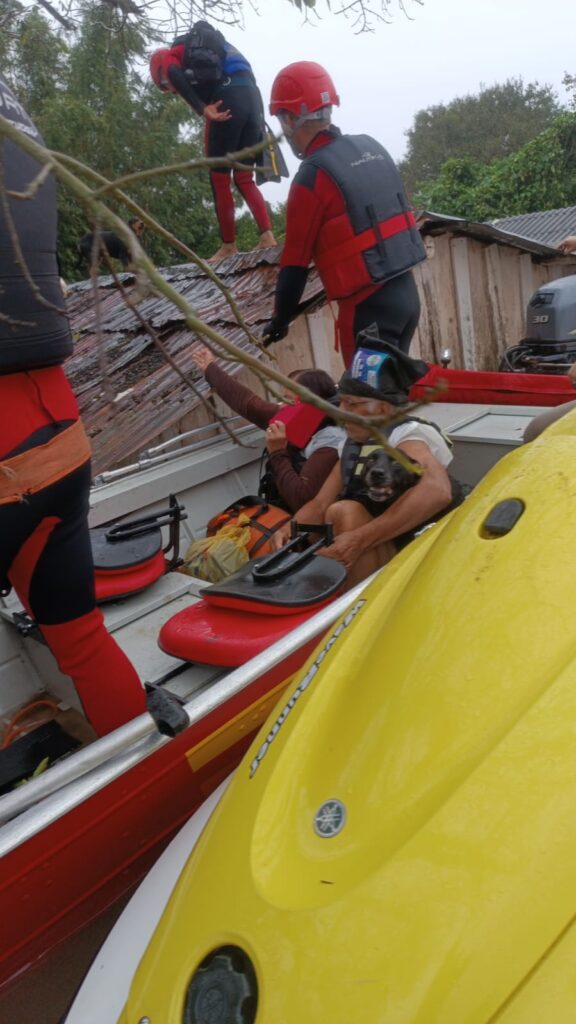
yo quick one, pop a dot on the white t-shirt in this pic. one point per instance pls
(328, 437)
(414, 431)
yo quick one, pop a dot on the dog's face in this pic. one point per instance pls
(385, 479)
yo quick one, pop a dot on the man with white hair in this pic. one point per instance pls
(348, 212)
(375, 505)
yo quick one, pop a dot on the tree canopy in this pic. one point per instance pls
(540, 176)
(115, 123)
(161, 17)
(493, 124)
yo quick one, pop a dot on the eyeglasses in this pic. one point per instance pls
(354, 403)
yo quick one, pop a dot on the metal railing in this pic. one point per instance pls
(160, 454)
(31, 808)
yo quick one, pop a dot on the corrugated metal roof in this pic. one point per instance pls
(548, 226)
(140, 396)
(429, 222)
(145, 397)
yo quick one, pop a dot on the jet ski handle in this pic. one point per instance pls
(293, 556)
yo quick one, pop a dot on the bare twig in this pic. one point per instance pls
(18, 254)
(234, 160)
(162, 232)
(68, 25)
(172, 362)
(164, 20)
(147, 271)
(34, 185)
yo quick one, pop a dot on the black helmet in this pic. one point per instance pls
(380, 370)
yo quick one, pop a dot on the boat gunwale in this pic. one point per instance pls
(32, 808)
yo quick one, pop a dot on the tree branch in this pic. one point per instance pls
(147, 271)
(68, 25)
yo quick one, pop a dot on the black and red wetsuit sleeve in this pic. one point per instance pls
(181, 83)
(311, 196)
(239, 398)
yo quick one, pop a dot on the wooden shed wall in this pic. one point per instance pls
(474, 296)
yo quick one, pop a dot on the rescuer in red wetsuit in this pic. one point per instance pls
(45, 551)
(216, 80)
(347, 211)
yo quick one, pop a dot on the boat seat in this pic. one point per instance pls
(219, 636)
(241, 617)
(128, 565)
(128, 554)
(257, 587)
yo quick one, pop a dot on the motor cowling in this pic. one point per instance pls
(551, 312)
(549, 345)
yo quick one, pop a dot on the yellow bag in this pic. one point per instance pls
(214, 558)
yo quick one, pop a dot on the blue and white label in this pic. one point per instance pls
(366, 366)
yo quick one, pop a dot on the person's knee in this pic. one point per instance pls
(346, 515)
(242, 178)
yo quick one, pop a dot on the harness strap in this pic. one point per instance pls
(368, 239)
(37, 468)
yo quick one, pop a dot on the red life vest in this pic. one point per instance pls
(375, 238)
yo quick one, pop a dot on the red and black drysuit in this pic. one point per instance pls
(240, 95)
(347, 211)
(45, 551)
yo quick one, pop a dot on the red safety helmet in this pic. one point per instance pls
(160, 61)
(303, 88)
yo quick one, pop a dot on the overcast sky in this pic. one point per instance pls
(450, 48)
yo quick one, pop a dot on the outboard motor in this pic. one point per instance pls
(550, 342)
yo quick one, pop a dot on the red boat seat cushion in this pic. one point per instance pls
(117, 583)
(127, 565)
(221, 636)
(478, 386)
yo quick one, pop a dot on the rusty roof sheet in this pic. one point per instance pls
(128, 393)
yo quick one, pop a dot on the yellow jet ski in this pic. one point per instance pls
(399, 844)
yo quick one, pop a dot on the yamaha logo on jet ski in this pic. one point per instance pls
(330, 819)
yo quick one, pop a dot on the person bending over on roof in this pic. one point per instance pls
(216, 80)
(109, 244)
(371, 523)
(293, 473)
(45, 551)
(348, 212)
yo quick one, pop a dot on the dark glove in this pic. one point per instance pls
(272, 333)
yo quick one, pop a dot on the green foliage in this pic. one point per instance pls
(540, 176)
(569, 83)
(493, 124)
(89, 102)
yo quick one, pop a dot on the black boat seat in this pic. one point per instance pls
(243, 616)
